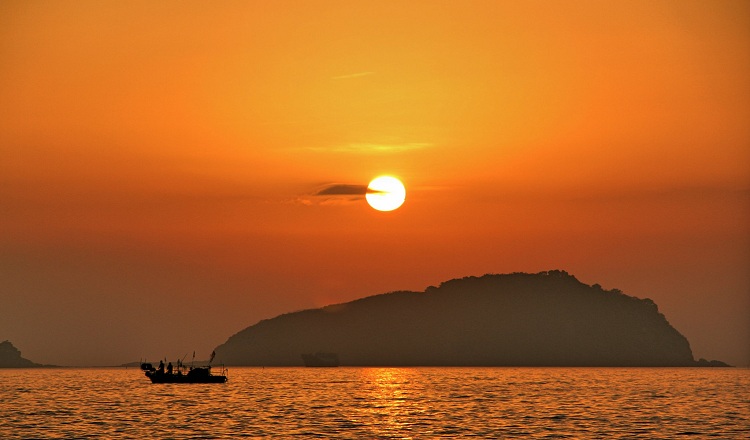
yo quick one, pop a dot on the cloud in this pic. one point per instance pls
(342, 189)
(372, 148)
(353, 75)
(335, 194)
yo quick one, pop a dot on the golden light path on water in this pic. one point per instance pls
(379, 403)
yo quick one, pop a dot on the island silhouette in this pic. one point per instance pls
(544, 319)
(10, 357)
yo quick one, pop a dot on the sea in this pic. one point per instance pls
(379, 403)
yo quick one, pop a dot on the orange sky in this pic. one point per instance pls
(159, 160)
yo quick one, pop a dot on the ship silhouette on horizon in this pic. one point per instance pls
(320, 359)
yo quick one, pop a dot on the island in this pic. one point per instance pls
(543, 319)
(10, 357)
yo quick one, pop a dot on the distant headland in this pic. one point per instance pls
(544, 319)
(10, 357)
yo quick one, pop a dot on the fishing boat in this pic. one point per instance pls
(320, 359)
(183, 374)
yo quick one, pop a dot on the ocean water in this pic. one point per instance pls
(380, 403)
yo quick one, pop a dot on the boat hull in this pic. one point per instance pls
(160, 377)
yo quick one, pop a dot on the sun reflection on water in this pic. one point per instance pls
(390, 403)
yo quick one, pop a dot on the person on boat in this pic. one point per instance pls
(161, 366)
(169, 368)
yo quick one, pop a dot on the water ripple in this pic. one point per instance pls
(379, 403)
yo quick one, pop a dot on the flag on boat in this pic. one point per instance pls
(213, 354)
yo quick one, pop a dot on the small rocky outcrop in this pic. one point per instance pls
(713, 363)
(10, 357)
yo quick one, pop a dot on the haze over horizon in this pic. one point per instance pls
(173, 172)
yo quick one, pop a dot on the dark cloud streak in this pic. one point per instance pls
(339, 189)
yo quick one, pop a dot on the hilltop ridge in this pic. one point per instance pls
(519, 319)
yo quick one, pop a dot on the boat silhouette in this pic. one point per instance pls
(183, 374)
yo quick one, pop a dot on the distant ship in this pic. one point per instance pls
(321, 359)
(183, 374)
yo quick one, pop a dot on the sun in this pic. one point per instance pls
(385, 193)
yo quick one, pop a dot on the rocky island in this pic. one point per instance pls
(544, 319)
(10, 357)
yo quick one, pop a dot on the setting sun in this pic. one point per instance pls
(385, 193)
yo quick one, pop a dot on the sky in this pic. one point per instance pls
(169, 170)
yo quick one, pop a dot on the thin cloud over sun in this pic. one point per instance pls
(335, 194)
(342, 189)
(353, 75)
(372, 148)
